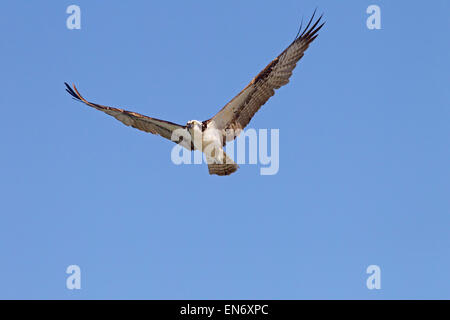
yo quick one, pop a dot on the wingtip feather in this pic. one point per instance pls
(311, 28)
(71, 92)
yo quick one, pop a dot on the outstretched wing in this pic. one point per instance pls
(136, 120)
(239, 111)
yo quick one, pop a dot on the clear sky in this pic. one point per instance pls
(364, 173)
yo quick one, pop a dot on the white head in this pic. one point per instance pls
(194, 125)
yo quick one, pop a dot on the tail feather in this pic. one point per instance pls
(223, 169)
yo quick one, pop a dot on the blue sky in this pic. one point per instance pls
(364, 152)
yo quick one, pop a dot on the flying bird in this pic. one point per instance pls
(211, 135)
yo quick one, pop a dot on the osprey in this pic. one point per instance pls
(211, 135)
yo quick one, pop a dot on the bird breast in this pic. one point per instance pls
(212, 136)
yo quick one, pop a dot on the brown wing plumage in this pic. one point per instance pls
(136, 120)
(239, 111)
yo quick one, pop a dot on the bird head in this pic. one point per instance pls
(193, 124)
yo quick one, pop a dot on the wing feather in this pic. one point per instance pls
(237, 113)
(133, 119)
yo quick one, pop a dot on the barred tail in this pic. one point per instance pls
(223, 169)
